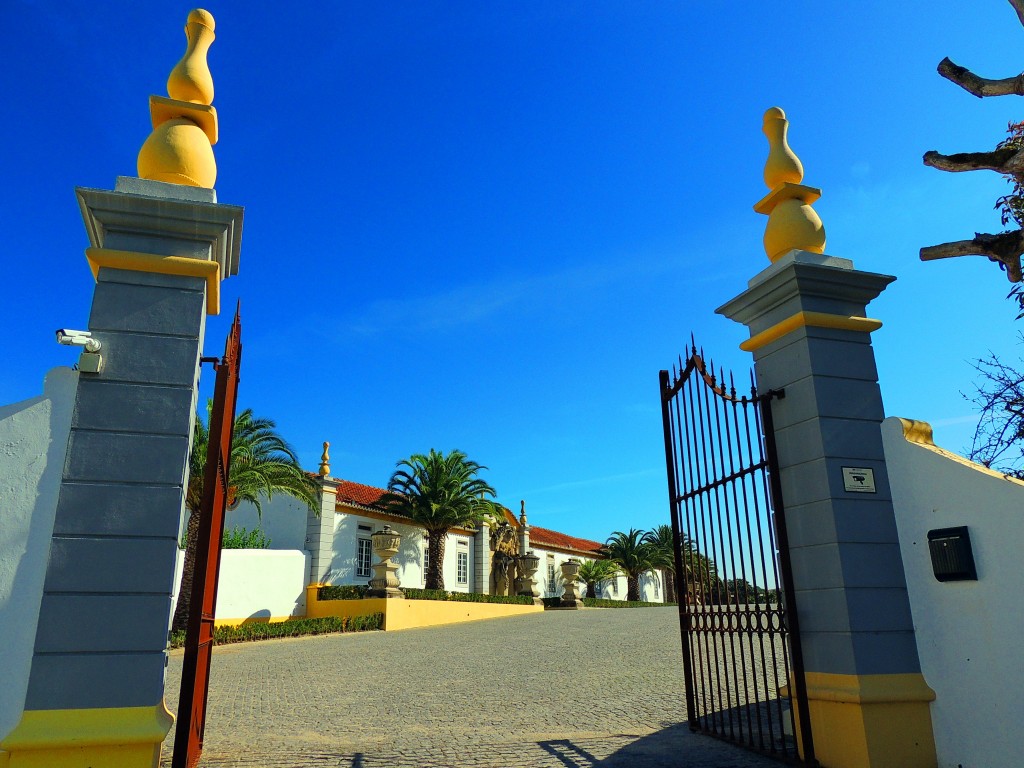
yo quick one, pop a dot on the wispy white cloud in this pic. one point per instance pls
(468, 304)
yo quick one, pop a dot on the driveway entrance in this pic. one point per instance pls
(563, 688)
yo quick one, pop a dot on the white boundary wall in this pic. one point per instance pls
(968, 632)
(33, 444)
(258, 583)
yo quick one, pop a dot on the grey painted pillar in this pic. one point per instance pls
(102, 634)
(320, 533)
(809, 336)
(482, 559)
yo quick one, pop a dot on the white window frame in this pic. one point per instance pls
(426, 557)
(360, 572)
(462, 567)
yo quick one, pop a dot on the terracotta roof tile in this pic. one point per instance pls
(357, 493)
(369, 496)
(543, 536)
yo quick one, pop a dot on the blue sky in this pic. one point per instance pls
(487, 226)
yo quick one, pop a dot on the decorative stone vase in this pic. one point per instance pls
(570, 571)
(385, 579)
(527, 582)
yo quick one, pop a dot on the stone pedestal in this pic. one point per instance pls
(810, 336)
(527, 583)
(570, 598)
(159, 252)
(385, 578)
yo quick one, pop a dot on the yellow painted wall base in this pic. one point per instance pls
(871, 721)
(119, 737)
(410, 614)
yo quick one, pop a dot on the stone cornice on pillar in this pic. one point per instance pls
(806, 286)
(166, 219)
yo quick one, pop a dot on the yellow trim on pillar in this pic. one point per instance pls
(161, 265)
(871, 721)
(117, 737)
(814, 319)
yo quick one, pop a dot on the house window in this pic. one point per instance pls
(463, 572)
(599, 588)
(426, 557)
(552, 586)
(363, 551)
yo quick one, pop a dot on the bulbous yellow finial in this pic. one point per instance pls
(180, 148)
(325, 461)
(190, 80)
(782, 164)
(792, 223)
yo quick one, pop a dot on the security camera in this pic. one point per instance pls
(71, 338)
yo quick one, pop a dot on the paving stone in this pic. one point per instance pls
(553, 690)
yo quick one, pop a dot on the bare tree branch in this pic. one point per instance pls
(1004, 160)
(1018, 6)
(982, 86)
(1005, 248)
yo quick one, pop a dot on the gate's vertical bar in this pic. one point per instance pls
(673, 503)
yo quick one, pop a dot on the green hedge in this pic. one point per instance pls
(297, 628)
(357, 592)
(597, 602)
(344, 592)
(465, 597)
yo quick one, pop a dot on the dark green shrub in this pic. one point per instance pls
(465, 597)
(597, 602)
(342, 592)
(296, 628)
(238, 537)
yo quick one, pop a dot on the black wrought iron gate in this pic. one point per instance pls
(740, 639)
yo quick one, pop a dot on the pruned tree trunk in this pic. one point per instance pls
(591, 589)
(435, 571)
(980, 86)
(1005, 248)
(1004, 160)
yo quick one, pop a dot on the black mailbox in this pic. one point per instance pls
(952, 558)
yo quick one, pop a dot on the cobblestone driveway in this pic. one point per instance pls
(562, 688)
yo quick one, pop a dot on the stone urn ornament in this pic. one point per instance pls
(570, 571)
(527, 582)
(385, 545)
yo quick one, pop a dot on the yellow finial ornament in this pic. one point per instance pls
(792, 223)
(325, 461)
(180, 148)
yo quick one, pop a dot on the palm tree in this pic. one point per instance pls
(262, 464)
(662, 543)
(439, 492)
(593, 572)
(702, 582)
(633, 555)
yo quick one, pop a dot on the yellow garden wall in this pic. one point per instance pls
(409, 614)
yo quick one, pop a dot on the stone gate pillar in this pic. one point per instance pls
(869, 704)
(320, 527)
(158, 253)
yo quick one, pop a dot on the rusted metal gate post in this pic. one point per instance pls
(195, 674)
(741, 648)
